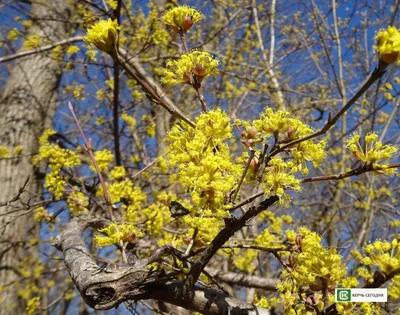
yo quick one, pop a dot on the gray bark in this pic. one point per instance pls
(107, 288)
(27, 106)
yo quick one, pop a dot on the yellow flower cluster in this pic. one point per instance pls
(278, 176)
(286, 128)
(42, 214)
(4, 152)
(130, 121)
(246, 261)
(182, 18)
(192, 66)
(272, 122)
(202, 157)
(373, 152)
(33, 306)
(77, 202)
(32, 41)
(14, 34)
(103, 159)
(118, 172)
(264, 302)
(388, 45)
(57, 158)
(312, 264)
(384, 255)
(394, 287)
(269, 240)
(149, 29)
(358, 308)
(103, 35)
(73, 49)
(116, 233)
(112, 3)
(207, 228)
(132, 196)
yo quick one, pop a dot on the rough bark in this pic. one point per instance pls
(107, 288)
(27, 106)
(244, 280)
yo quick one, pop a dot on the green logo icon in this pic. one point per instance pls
(343, 295)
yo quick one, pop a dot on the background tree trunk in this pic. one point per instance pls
(27, 106)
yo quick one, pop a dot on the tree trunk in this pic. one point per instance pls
(27, 106)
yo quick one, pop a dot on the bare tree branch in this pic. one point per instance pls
(107, 288)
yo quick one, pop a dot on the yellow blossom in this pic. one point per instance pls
(77, 202)
(103, 159)
(116, 233)
(313, 264)
(383, 254)
(42, 214)
(182, 18)
(203, 161)
(103, 35)
(58, 158)
(33, 306)
(4, 152)
(192, 66)
(130, 121)
(373, 152)
(112, 3)
(117, 173)
(32, 41)
(388, 45)
(278, 177)
(91, 54)
(18, 149)
(13, 34)
(72, 49)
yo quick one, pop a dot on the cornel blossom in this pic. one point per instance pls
(388, 45)
(196, 64)
(103, 35)
(182, 18)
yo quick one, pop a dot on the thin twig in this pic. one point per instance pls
(107, 197)
(41, 49)
(135, 70)
(360, 170)
(375, 75)
(252, 152)
(248, 200)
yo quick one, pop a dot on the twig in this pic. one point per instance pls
(375, 75)
(360, 170)
(41, 49)
(135, 70)
(248, 200)
(222, 237)
(268, 61)
(148, 165)
(107, 197)
(252, 152)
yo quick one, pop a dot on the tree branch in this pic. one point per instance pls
(231, 227)
(105, 288)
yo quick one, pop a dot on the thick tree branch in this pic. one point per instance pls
(153, 90)
(107, 288)
(223, 236)
(244, 280)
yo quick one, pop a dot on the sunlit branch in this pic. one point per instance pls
(41, 49)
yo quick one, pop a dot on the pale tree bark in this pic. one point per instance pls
(27, 106)
(103, 288)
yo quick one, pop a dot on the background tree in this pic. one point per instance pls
(178, 238)
(28, 104)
